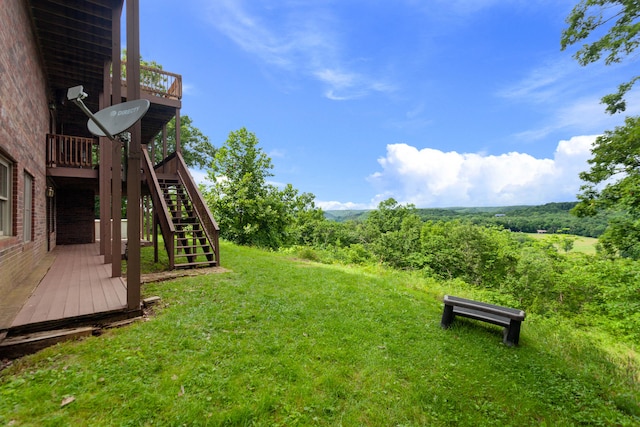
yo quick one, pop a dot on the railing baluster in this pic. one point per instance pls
(73, 152)
(70, 151)
(157, 81)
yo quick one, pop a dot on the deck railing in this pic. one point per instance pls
(157, 81)
(162, 211)
(71, 151)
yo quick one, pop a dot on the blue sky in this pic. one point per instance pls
(438, 103)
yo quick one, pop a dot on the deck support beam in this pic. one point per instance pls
(134, 158)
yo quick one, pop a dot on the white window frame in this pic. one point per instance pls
(27, 220)
(6, 190)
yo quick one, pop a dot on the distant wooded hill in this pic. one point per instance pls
(551, 217)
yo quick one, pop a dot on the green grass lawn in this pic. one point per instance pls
(586, 245)
(283, 342)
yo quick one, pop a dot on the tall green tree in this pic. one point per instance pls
(147, 78)
(613, 182)
(196, 147)
(249, 209)
(392, 234)
(616, 27)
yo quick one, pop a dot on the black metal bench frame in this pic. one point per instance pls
(509, 318)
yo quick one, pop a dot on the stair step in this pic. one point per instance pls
(195, 239)
(196, 264)
(199, 257)
(192, 246)
(189, 246)
(193, 254)
(188, 260)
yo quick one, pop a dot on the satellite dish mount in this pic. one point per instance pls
(112, 121)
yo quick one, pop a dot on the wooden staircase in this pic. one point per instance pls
(191, 246)
(190, 234)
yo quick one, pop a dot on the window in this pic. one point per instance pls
(27, 222)
(5, 197)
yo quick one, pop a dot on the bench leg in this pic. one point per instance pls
(447, 316)
(512, 333)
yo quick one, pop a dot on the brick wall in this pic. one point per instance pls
(24, 122)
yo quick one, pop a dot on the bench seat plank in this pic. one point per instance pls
(483, 316)
(511, 313)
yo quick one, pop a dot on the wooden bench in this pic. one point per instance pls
(509, 318)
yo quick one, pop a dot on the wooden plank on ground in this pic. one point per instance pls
(25, 344)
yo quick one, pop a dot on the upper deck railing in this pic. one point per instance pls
(157, 81)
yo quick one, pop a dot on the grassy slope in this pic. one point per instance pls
(284, 342)
(586, 245)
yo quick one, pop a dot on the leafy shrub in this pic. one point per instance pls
(479, 255)
(358, 254)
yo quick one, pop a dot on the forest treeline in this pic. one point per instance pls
(551, 217)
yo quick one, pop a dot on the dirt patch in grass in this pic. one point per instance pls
(169, 275)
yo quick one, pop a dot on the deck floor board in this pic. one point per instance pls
(78, 283)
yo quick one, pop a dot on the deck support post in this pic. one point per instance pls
(116, 153)
(105, 174)
(134, 158)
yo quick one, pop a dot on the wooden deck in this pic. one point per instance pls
(77, 284)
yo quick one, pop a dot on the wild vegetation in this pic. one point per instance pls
(551, 217)
(542, 276)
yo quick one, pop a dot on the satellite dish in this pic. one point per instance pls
(119, 117)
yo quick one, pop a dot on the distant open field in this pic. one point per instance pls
(582, 244)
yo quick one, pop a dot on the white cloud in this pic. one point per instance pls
(336, 78)
(543, 84)
(200, 177)
(465, 7)
(249, 32)
(299, 38)
(340, 206)
(585, 115)
(278, 153)
(433, 178)
(188, 88)
(568, 97)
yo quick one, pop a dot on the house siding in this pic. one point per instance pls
(24, 122)
(76, 223)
